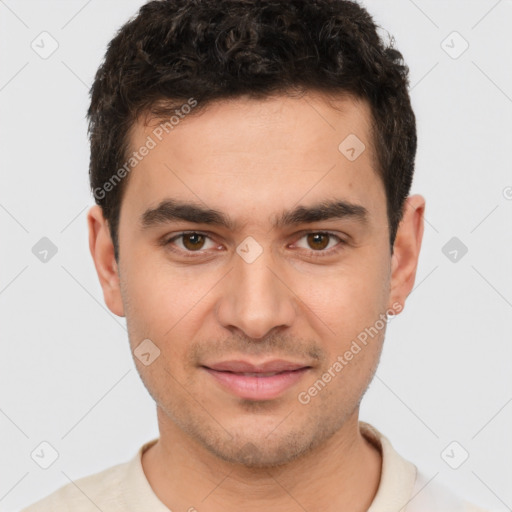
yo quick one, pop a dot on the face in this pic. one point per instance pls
(227, 256)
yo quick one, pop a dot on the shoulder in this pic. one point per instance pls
(99, 491)
(429, 495)
(404, 487)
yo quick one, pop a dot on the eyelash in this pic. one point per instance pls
(311, 252)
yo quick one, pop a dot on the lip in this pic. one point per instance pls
(240, 366)
(230, 375)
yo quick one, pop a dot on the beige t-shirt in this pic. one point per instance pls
(125, 488)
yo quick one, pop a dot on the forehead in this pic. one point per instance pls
(251, 156)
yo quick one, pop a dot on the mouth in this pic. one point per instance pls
(257, 385)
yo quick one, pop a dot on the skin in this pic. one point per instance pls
(252, 159)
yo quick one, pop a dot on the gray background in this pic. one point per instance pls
(67, 374)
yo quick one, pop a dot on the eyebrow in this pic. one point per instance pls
(172, 210)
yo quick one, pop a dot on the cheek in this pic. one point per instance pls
(166, 305)
(160, 294)
(346, 299)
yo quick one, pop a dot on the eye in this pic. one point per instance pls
(320, 243)
(191, 241)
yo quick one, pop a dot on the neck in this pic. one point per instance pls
(342, 473)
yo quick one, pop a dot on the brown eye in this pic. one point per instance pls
(318, 241)
(318, 244)
(193, 241)
(191, 244)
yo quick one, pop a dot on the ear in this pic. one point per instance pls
(102, 252)
(406, 250)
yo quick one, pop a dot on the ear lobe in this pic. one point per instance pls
(102, 252)
(406, 249)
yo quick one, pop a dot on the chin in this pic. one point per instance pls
(260, 456)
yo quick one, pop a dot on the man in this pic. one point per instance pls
(251, 163)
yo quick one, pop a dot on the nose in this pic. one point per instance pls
(256, 299)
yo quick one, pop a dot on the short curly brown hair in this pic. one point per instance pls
(177, 49)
